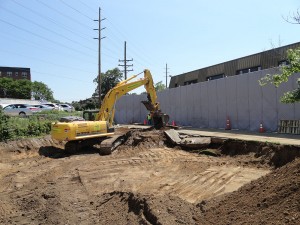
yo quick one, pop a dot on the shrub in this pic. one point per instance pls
(32, 126)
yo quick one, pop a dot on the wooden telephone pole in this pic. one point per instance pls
(99, 53)
(125, 65)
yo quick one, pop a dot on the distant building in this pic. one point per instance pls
(15, 73)
(260, 61)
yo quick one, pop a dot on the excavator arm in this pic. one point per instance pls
(107, 110)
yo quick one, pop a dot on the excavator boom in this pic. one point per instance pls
(107, 110)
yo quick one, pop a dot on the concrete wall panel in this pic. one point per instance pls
(221, 100)
(208, 104)
(213, 109)
(204, 105)
(231, 101)
(242, 96)
(255, 102)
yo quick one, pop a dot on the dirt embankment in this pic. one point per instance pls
(149, 181)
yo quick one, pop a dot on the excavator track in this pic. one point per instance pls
(107, 144)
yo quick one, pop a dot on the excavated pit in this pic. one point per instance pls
(149, 180)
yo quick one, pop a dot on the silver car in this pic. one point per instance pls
(21, 110)
(44, 107)
(55, 106)
(67, 108)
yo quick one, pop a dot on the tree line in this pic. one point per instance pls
(24, 89)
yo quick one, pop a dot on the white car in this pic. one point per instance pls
(67, 108)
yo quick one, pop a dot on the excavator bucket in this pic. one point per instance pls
(159, 119)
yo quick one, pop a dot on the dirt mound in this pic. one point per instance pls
(130, 208)
(272, 199)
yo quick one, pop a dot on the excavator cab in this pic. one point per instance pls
(90, 115)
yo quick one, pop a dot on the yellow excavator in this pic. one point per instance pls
(79, 133)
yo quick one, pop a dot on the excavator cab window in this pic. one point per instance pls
(90, 115)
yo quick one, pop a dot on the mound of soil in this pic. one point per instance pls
(130, 208)
(272, 199)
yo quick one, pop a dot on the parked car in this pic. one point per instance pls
(21, 110)
(67, 108)
(3, 105)
(55, 106)
(44, 107)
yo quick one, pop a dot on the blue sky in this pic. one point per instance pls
(55, 37)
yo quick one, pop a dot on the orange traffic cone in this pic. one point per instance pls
(228, 125)
(261, 128)
(173, 123)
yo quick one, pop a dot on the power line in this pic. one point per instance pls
(133, 43)
(62, 14)
(29, 42)
(82, 35)
(76, 10)
(86, 5)
(47, 29)
(47, 62)
(54, 75)
(37, 35)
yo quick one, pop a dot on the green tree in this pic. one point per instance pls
(6, 87)
(159, 86)
(10, 88)
(22, 89)
(293, 58)
(109, 79)
(41, 91)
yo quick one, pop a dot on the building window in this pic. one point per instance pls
(248, 70)
(9, 74)
(190, 82)
(283, 63)
(215, 77)
(24, 74)
(16, 74)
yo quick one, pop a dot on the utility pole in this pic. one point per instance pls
(99, 53)
(125, 63)
(167, 75)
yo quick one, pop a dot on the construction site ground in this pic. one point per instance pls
(252, 179)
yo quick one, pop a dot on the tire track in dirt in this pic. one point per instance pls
(165, 171)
